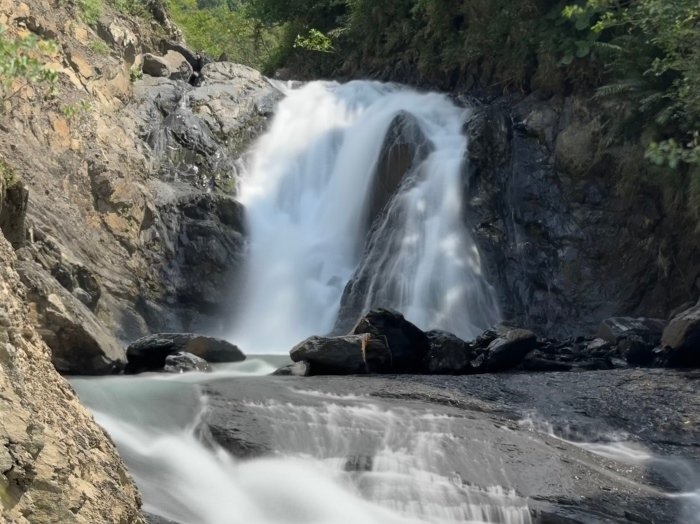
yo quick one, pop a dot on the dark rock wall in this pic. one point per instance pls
(572, 231)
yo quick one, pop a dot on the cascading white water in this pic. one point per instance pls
(306, 192)
(155, 421)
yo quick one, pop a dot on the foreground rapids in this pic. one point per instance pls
(229, 448)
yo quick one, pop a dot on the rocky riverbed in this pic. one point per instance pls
(610, 446)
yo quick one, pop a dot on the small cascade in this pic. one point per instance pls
(337, 459)
(412, 463)
(327, 205)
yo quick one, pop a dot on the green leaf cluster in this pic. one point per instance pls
(22, 63)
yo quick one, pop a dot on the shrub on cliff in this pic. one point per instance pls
(22, 64)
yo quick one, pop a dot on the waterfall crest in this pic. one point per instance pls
(308, 191)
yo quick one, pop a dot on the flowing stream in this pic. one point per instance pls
(338, 459)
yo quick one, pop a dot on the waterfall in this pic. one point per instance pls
(308, 192)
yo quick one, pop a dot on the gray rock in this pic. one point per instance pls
(150, 353)
(297, 369)
(682, 338)
(183, 362)
(155, 66)
(615, 329)
(509, 349)
(351, 354)
(178, 65)
(79, 342)
(448, 355)
(408, 344)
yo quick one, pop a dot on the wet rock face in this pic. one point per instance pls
(405, 146)
(565, 242)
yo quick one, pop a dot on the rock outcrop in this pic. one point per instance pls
(565, 237)
(681, 339)
(127, 184)
(150, 353)
(56, 464)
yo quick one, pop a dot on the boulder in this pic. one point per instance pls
(80, 344)
(509, 349)
(178, 66)
(615, 329)
(155, 66)
(297, 369)
(448, 354)
(635, 338)
(150, 353)
(408, 344)
(681, 338)
(184, 362)
(350, 354)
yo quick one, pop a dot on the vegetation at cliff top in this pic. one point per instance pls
(225, 28)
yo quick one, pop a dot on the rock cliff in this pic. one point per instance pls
(131, 227)
(56, 464)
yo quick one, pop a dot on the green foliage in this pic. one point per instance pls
(99, 47)
(221, 27)
(315, 40)
(135, 73)
(72, 111)
(90, 10)
(22, 64)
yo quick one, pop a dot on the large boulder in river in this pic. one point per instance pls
(448, 355)
(682, 339)
(408, 344)
(150, 353)
(509, 349)
(346, 355)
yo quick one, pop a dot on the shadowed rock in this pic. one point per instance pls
(509, 349)
(682, 338)
(344, 355)
(448, 355)
(408, 344)
(150, 353)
